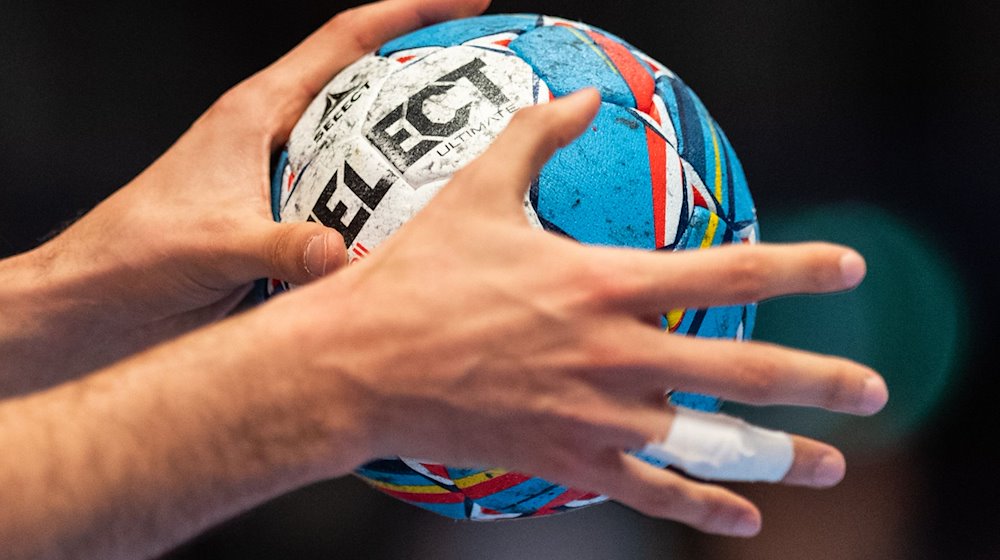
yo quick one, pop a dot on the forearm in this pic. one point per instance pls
(138, 457)
(32, 325)
(65, 312)
(53, 324)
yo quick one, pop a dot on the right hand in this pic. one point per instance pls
(471, 338)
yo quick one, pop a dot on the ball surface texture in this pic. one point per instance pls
(653, 171)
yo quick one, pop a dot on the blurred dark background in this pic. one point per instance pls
(858, 122)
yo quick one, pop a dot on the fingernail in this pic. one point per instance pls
(315, 255)
(829, 471)
(874, 395)
(852, 269)
(746, 525)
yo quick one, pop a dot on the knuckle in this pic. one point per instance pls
(243, 105)
(708, 511)
(349, 24)
(235, 100)
(748, 275)
(529, 116)
(663, 502)
(601, 285)
(565, 463)
(279, 253)
(344, 23)
(603, 353)
(538, 121)
(817, 265)
(635, 435)
(841, 389)
(760, 379)
(470, 174)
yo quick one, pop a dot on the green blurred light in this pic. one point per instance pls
(907, 321)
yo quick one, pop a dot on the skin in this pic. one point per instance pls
(467, 312)
(180, 245)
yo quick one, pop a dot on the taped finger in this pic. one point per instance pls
(721, 447)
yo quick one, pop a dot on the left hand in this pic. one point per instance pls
(181, 244)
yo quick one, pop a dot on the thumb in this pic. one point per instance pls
(302, 252)
(531, 138)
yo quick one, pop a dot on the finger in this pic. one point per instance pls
(750, 372)
(298, 253)
(731, 275)
(661, 493)
(303, 71)
(816, 464)
(505, 171)
(715, 446)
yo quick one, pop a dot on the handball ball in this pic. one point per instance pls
(653, 171)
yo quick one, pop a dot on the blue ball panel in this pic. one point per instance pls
(527, 497)
(695, 401)
(721, 322)
(456, 32)
(545, 48)
(602, 189)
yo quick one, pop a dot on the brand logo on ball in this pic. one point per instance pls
(337, 103)
(432, 134)
(412, 112)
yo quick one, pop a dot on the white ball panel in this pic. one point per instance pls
(339, 110)
(456, 100)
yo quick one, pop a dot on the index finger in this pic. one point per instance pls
(503, 174)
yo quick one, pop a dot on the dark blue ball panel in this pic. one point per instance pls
(456, 32)
(598, 189)
(545, 50)
(702, 143)
(459, 510)
(740, 209)
(691, 131)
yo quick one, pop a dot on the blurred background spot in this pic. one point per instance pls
(908, 320)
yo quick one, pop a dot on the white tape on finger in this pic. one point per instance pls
(721, 447)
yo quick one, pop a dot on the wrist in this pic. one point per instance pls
(330, 403)
(30, 318)
(54, 319)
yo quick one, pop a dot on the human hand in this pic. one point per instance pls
(180, 244)
(470, 338)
